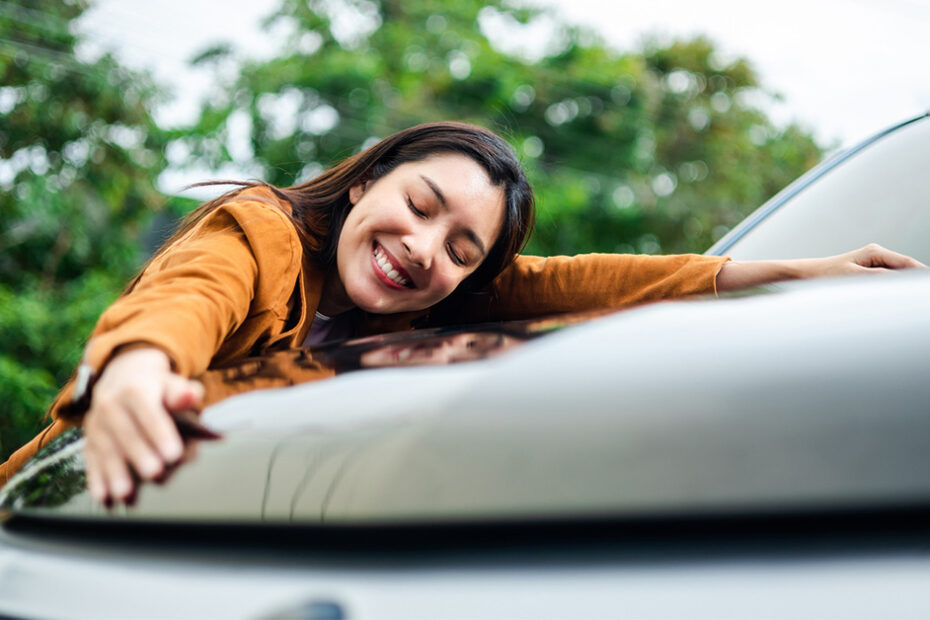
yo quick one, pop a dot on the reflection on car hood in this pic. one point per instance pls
(424, 347)
(814, 397)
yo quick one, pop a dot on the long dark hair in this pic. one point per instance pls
(320, 205)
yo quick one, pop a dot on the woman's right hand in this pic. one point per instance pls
(129, 424)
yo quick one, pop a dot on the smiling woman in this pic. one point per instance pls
(414, 235)
(423, 228)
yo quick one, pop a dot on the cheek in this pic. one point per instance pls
(448, 281)
(350, 238)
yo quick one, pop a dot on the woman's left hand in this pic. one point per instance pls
(872, 258)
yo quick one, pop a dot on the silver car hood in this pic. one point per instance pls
(814, 396)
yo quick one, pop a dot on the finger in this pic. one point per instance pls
(130, 500)
(156, 426)
(95, 483)
(133, 445)
(198, 390)
(96, 478)
(181, 393)
(877, 256)
(117, 478)
(190, 453)
(871, 270)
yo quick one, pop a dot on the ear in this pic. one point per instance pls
(357, 191)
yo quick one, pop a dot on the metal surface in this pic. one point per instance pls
(553, 481)
(773, 580)
(807, 398)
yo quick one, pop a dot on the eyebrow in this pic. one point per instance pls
(439, 195)
(442, 201)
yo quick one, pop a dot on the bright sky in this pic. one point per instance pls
(845, 68)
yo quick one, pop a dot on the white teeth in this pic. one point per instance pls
(388, 269)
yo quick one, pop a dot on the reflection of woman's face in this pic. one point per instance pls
(415, 234)
(440, 350)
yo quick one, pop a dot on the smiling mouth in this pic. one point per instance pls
(386, 267)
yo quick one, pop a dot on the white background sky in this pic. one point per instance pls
(846, 68)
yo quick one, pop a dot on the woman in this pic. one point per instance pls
(422, 228)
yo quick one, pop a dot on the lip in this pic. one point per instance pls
(395, 264)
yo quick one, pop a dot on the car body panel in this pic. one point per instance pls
(816, 412)
(761, 456)
(773, 577)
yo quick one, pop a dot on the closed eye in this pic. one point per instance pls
(458, 260)
(413, 208)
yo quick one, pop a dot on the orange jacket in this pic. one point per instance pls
(238, 284)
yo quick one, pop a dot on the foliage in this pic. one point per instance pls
(78, 157)
(657, 150)
(52, 478)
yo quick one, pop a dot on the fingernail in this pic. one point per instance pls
(121, 488)
(172, 451)
(151, 467)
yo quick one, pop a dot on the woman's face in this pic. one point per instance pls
(413, 235)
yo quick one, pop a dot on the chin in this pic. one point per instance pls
(375, 303)
(374, 298)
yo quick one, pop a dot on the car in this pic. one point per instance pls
(875, 192)
(762, 455)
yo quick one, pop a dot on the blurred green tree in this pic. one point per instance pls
(79, 154)
(662, 149)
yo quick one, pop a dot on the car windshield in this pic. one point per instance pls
(879, 194)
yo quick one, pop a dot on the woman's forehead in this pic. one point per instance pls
(456, 172)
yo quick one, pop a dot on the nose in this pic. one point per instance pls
(422, 246)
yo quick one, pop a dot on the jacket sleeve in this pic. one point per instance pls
(533, 286)
(243, 256)
(193, 296)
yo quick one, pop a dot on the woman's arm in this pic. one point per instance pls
(534, 286)
(872, 258)
(244, 257)
(129, 421)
